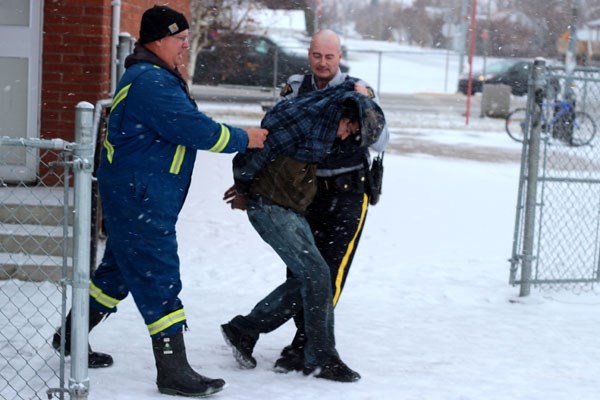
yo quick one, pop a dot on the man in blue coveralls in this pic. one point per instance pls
(154, 131)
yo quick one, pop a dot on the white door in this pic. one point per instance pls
(20, 71)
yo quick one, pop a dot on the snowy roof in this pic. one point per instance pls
(272, 21)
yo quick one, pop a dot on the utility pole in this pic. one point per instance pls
(486, 36)
(463, 35)
(571, 56)
(472, 39)
(317, 12)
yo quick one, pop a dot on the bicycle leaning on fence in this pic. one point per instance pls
(559, 119)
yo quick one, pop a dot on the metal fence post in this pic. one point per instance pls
(124, 48)
(83, 160)
(534, 104)
(379, 63)
(275, 66)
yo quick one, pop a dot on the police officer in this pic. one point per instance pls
(338, 212)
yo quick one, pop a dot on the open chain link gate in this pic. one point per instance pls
(557, 225)
(45, 237)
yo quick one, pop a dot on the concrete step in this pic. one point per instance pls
(38, 214)
(35, 239)
(32, 235)
(35, 268)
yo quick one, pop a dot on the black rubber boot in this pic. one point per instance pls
(95, 359)
(174, 375)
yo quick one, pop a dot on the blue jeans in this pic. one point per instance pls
(308, 286)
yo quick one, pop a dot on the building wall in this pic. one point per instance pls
(75, 61)
(76, 51)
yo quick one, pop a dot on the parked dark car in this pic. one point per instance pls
(513, 73)
(251, 60)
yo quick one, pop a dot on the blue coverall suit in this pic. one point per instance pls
(146, 165)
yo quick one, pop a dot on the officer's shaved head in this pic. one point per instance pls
(326, 36)
(324, 56)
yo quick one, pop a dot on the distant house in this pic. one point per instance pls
(587, 45)
(515, 34)
(272, 21)
(55, 54)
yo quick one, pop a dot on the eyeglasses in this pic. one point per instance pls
(183, 39)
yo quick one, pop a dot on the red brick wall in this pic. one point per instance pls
(76, 51)
(75, 61)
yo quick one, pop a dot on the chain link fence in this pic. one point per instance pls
(380, 68)
(261, 63)
(557, 227)
(44, 247)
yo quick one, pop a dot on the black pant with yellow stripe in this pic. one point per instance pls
(336, 218)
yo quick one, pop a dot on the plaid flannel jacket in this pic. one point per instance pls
(305, 128)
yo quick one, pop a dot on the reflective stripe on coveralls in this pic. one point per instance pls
(217, 148)
(223, 140)
(97, 294)
(166, 321)
(177, 159)
(179, 155)
(155, 327)
(110, 150)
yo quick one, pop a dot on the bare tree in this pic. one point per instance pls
(208, 17)
(203, 14)
(420, 23)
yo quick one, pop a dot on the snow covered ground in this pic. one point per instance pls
(427, 312)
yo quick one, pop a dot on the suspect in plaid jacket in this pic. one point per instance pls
(302, 132)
